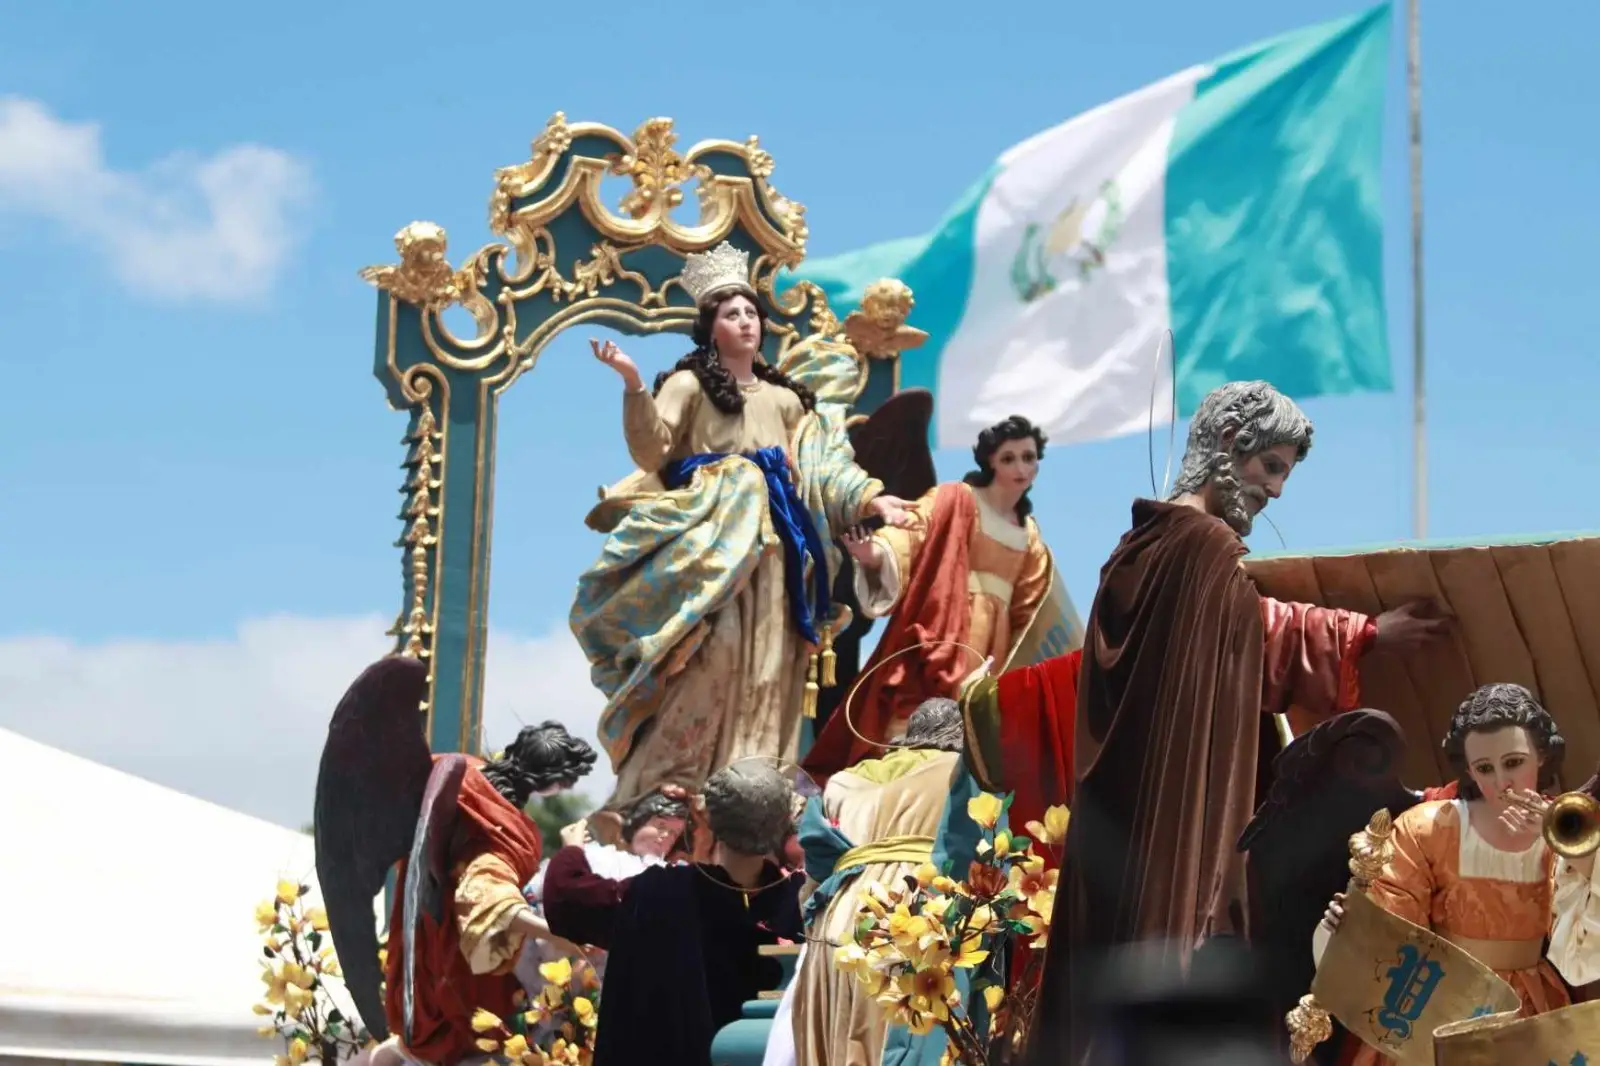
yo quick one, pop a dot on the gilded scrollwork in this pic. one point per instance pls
(424, 276)
(422, 517)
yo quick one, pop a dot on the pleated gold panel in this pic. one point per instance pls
(1526, 612)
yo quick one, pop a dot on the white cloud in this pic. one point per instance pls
(241, 721)
(218, 228)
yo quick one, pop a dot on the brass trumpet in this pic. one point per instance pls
(1571, 822)
(1572, 825)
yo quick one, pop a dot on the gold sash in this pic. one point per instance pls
(917, 849)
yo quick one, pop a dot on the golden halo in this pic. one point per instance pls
(850, 699)
(800, 782)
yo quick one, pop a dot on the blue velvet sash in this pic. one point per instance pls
(795, 528)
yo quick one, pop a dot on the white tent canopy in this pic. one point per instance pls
(129, 931)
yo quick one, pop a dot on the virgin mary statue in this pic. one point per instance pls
(706, 603)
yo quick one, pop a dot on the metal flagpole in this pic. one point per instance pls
(1419, 437)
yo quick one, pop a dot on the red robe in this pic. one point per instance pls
(1183, 662)
(934, 606)
(447, 990)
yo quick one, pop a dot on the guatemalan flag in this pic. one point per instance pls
(1236, 203)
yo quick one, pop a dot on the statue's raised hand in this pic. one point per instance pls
(609, 354)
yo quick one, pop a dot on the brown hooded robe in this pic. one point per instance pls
(1179, 672)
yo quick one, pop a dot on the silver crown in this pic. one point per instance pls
(707, 272)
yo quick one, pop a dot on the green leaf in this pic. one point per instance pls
(267, 951)
(315, 939)
(1020, 844)
(334, 1015)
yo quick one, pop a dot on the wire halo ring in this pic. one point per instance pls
(850, 698)
(799, 772)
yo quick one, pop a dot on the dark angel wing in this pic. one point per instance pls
(892, 446)
(375, 768)
(1326, 785)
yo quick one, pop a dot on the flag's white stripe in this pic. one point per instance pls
(1079, 360)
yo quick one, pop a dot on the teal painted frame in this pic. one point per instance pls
(565, 257)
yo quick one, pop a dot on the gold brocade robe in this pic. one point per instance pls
(739, 691)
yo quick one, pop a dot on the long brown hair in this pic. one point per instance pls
(715, 381)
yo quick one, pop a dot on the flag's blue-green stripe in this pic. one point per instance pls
(938, 268)
(1274, 216)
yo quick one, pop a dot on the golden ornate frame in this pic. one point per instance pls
(564, 257)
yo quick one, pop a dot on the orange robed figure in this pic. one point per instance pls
(970, 571)
(454, 829)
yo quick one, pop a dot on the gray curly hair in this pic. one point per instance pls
(750, 807)
(936, 724)
(1259, 417)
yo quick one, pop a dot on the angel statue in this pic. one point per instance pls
(464, 846)
(706, 603)
(972, 570)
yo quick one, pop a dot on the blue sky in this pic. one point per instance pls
(195, 447)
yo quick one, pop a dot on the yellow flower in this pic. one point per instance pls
(262, 1008)
(1054, 829)
(275, 982)
(985, 808)
(383, 958)
(485, 1044)
(298, 975)
(993, 996)
(295, 1001)
(906, 928)
(516, 1046)
(553, 995)
(266, 914)
(484, 1022)
(267, 1030)
(928, 991)
(1029, 878)
(288, 892)
(926, 874)
(1002, 844)
(969, 953)
(944, 885)
(297, 1051)
(318, 919)
(584, 1010)
(558, 972)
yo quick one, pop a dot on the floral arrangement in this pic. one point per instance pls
(558, 1027)
(911, 938)
(297, 971)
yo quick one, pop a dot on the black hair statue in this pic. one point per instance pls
(715, 380)
(655, 805)
(542, 757)
(1495, 707)
(990, 441)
